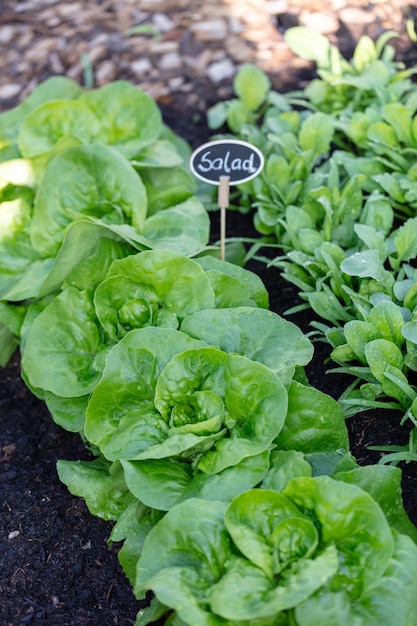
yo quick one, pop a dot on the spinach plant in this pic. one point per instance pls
(344, 86)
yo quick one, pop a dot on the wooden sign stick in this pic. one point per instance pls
(223, 202)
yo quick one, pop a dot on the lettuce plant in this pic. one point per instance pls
(52, 89)
(99, 157)
(89, 180)
(319, 549)
(157, 410)
(103, 299)
(314, 429)
(73, 188)
(192, 394)
(118, 114)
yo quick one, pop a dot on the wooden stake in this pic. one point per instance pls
(223, 202)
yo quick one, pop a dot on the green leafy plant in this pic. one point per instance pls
(318, 548)
(198, 411)
(345, 86)
(343, 217)
(73, 161)
(105, 297)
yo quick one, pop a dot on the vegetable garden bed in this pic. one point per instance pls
(215, 438)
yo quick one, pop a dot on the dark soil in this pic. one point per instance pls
(55, 565)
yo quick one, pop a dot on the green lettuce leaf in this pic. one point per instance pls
(87, 252)
(183, 556)
(314, 422)
(391, 599)
(51, 121)
(254, 285)
(22, 269)
(90, 180)
(199, 396)
(130, 119)
(100, 483)
(256, 333)
(342, 542)
(261, 597)
(11, 120)
(66, 337)
(129, 378)
(162, 483)
(155, 288)
(183, 228)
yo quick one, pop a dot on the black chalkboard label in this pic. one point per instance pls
(238, 160)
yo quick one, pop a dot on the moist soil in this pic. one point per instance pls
(55, 565)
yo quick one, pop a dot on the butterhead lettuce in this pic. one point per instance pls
(319, 552)
(183, 401)
(104, 297)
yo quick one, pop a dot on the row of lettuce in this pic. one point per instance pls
(227, 476)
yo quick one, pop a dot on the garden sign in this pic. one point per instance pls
(226, 162)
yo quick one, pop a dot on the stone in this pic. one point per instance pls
(71, 9)
(256, 35)
(210, 30)
(56, 63)
(221, 70)
(170, 61)
(25, 39)
(353, 15)
(239, 50)
(162, 22)
(162, 47)
(53, 22)
(200, 62)
(97, 53)
(9, 90)
(141, 66)
(235, 25)
(175, 83)
(274, 7)
(75, 71)
(105, 73)
(7, 33)
(321, 22)
(163, 5)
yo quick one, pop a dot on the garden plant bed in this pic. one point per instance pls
(59, 570)
(56, 566)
